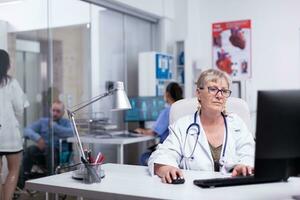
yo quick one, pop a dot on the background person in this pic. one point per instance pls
(40, 131)
(172, 94)
(216, 141)
(12, 103)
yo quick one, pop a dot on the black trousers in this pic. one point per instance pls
(34, 156)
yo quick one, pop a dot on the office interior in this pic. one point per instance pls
(72, 50)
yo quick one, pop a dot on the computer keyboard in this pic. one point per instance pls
(230, 181)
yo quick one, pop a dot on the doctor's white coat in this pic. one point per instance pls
(240, 146)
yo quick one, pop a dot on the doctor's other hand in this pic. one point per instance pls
(145, 131)
(242, 170)
(167, 173)
(139, 130)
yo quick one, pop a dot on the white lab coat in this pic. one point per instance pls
(239, 150)
(12, 104)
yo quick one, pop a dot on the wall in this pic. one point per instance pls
(275, 32)
(71, 72)
(180, 19)
(3, 35)
(175, 24)
(60, 16)
(193, 54)
(163, 10)
(154, 7)
(159, 8)
(275, 39)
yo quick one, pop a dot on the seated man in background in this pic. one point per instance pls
(40, 132)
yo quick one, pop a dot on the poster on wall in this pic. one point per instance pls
(232, 48)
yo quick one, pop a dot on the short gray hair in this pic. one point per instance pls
(212, 75)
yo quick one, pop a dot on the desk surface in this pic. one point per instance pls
(113, 139)
(134, 182)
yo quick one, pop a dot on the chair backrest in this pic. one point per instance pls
(189, 106)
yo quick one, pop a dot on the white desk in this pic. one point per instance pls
(134, 182)
(115, 140)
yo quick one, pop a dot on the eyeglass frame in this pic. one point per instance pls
(223, 91)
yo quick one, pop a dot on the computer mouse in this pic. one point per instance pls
(178, 180)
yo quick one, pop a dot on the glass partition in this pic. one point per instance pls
(28, 46)
(49, 49)
(69, 51)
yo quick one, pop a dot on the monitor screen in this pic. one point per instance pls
(144, 108)
(278, 132)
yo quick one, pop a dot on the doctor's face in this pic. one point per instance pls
(213, 95)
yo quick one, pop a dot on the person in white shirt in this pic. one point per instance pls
(12, 103)
(208, 140)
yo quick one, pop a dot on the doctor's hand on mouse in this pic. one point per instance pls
(170, 174)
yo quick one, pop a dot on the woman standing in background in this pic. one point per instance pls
(12, 104)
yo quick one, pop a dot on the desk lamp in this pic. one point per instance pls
(120, 102)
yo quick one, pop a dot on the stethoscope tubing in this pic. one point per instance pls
(198, 134)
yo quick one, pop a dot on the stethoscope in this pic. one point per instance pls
(196, 126)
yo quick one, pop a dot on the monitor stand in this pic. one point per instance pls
(296, 197)
(141, 124)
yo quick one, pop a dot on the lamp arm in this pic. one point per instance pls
(71, 114)
(94, 99)
(79, 145)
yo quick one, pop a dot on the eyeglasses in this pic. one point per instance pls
(214, 90)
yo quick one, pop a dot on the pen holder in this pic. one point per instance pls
(92, 173)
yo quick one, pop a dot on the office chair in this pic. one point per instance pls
(37, 170)
(188, 107)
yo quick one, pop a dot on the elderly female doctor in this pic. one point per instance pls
(208, 140)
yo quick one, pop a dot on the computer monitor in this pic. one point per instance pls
(144, 108)
(278, 134)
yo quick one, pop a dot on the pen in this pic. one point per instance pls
(98, 156)
(99, 159)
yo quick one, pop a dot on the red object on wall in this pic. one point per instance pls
(231, 47)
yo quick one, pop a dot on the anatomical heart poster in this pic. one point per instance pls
(232, 48)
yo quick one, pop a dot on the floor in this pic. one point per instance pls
(25, 195)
